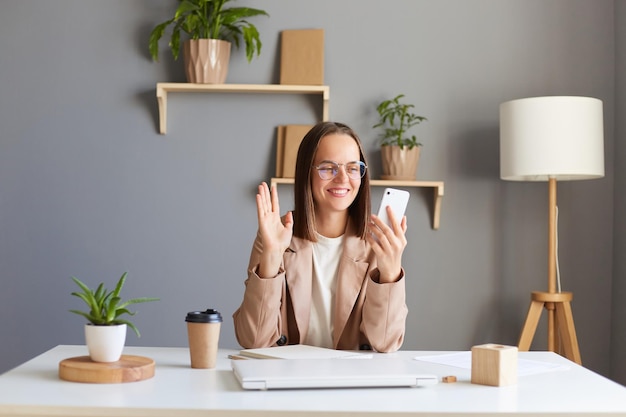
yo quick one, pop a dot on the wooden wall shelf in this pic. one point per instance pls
(162, 89)
(436, 185)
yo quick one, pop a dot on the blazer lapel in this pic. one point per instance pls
(352, 272)
(299, 275)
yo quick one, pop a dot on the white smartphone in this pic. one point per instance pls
(397, 199)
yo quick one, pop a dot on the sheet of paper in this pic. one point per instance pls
(464, 360)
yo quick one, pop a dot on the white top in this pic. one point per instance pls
(326, 255)
(34, 389)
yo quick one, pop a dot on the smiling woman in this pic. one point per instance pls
(310, 269)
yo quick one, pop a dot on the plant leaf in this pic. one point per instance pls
(89, 317)
(184, 8)
(120, 311)
(129, 324)
(120, 284)
(82, 286)
(155, 36)
(137, 301)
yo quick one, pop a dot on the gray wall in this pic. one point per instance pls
(89, 188)
(618, 316)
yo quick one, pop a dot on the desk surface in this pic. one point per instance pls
(34, 389)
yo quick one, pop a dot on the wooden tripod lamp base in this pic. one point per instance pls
(560, 324)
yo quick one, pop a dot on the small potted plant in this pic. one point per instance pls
(105, 332)
(400, 150)
(210, 28)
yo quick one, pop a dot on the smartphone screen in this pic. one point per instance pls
(397, 200)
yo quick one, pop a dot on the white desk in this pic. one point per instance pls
(34, 389)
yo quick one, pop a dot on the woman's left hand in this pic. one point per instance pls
(388, 244)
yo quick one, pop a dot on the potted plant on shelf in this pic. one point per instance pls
(400, 150)
(105, 334)
(211, 28)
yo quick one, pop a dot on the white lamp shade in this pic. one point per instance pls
(551, 137)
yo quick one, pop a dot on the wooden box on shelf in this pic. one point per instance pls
(302, 57)
(287, 144)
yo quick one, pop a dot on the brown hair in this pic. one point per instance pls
(304, 213)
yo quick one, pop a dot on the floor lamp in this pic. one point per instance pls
(552, 139)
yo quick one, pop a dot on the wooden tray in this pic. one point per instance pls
(128, 369)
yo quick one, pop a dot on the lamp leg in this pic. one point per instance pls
(563, 323)
(552, 327)
(568, 331)
(530, 326)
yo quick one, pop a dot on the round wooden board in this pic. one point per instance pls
(128, 369)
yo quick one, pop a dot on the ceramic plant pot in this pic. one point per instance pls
(206, 60)
(105, 343)
(399, 163)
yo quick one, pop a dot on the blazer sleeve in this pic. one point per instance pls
(384, 313)
(258, 319)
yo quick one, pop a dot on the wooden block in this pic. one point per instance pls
(449, 379)
(494, 365)
(292, 139)
(302, 57)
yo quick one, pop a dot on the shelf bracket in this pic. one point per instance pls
(161, 95)
(438, 195)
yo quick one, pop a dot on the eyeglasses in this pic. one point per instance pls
(328, 170)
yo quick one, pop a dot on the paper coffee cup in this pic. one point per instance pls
(203, 331)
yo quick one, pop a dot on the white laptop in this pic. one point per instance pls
(265, 374)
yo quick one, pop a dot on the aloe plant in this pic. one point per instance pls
(106, 307)
(396, 119)
(208, 19)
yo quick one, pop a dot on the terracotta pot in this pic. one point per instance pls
(206, 60)
(105, 343)
(399, 164)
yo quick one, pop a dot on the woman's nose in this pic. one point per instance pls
(342, 173)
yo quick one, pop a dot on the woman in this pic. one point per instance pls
(328, 274)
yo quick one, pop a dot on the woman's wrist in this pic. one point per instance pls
(380, 278)
(269, 265)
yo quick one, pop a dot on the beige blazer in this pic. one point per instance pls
(275, 311)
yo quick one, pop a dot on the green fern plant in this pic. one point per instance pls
(106, 307)
(396, 119)
(209, 19)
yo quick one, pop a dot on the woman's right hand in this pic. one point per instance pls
(275, 235)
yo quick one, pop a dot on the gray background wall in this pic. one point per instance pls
(618, 316)
(89, 188)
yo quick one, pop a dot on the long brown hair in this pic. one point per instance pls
(304, 214)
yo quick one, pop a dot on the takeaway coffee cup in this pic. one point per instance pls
(203, 331)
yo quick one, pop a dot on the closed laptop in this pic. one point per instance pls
(265, 374)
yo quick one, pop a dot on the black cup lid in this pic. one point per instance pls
(208, 316)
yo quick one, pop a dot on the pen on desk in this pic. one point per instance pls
(237, 357)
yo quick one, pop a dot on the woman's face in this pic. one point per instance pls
(335, 194)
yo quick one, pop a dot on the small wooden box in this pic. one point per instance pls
(288, 142)
(302, 57)
(494, 365)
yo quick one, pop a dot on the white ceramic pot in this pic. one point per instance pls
(105, 343)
